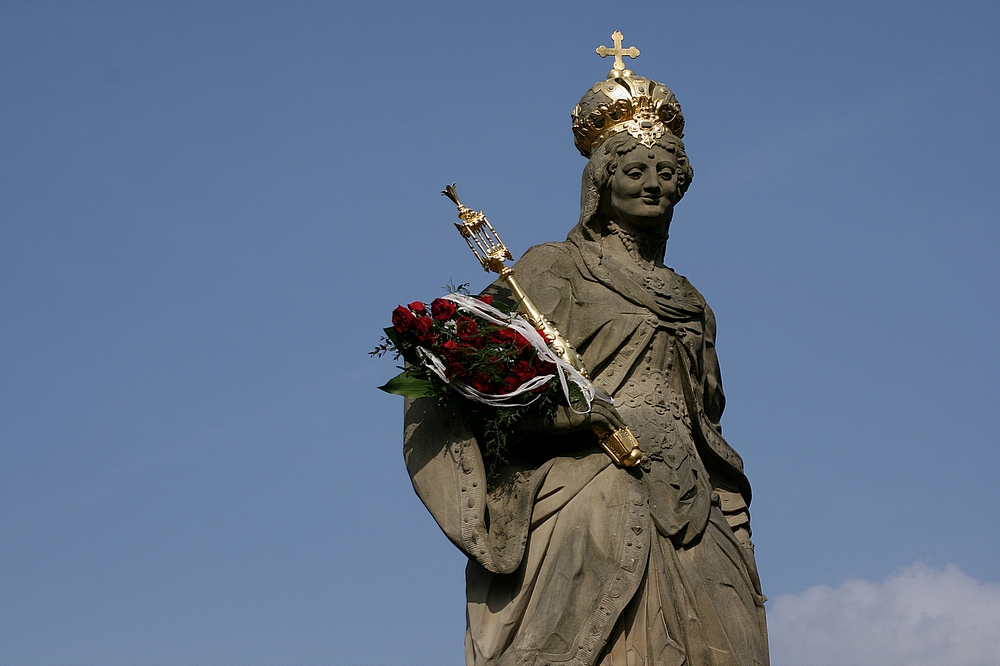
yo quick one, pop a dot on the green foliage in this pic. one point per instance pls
(409, 386)
(499, 426)
(462, 289)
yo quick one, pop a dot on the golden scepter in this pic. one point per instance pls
(620, 444)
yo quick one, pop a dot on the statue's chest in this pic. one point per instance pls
(651, 399)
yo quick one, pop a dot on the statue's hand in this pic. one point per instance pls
(565, 421)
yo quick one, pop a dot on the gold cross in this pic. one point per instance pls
(618, 51)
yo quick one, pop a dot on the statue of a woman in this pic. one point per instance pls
(572, 559)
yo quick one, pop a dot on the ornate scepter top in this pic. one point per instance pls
(481, 236)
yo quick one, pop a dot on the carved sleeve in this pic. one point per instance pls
(715, 399)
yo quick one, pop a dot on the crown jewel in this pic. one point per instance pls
(625, 102)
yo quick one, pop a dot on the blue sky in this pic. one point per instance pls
(208, 211)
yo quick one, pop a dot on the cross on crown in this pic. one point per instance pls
(618, 51)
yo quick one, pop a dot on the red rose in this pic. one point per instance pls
(417, 307)
(481, 383)
(486, 298)
(503, 336)
(523, 371)
(455, 371)
(448, 348)
(520, 342)
(544, 336)
(544, 367)
(509, 385)
(442, 309)
(466, 329)
(422, 328)
(402, 319)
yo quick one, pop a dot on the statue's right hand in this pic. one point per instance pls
(565, 421)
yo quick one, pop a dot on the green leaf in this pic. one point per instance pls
(410, 387)
(392, 335)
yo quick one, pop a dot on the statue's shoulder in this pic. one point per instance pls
(541, 266)
(555, 257)
(684, 290)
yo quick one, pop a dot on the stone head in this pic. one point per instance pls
(631, 183)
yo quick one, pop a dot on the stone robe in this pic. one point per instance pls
(573, 560)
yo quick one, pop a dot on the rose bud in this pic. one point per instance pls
(509, 385)
(523, 370)
(422, 327)
(449, 348)
(455, 371)
(466, 329)
(402, 319)
(481, 384)
(442, 309)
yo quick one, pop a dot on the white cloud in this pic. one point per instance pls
(919, 616)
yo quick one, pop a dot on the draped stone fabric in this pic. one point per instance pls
(573, 560)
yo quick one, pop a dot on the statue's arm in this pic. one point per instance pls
(546, 273)
(442, 459)
(734, 503)
(714, 398)
(448, 475)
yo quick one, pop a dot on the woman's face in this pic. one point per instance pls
(644, 188)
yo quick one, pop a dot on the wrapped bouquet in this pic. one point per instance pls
(494, 360)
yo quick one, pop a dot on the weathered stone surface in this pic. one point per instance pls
(573, 560)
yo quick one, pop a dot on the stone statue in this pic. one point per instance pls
(573, 559)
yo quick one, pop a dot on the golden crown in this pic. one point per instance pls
(625, 102)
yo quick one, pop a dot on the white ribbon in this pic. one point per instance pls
(566, 372)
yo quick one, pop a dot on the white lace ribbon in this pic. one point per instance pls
(564, 371)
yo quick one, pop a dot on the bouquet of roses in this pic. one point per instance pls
(504, 369)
